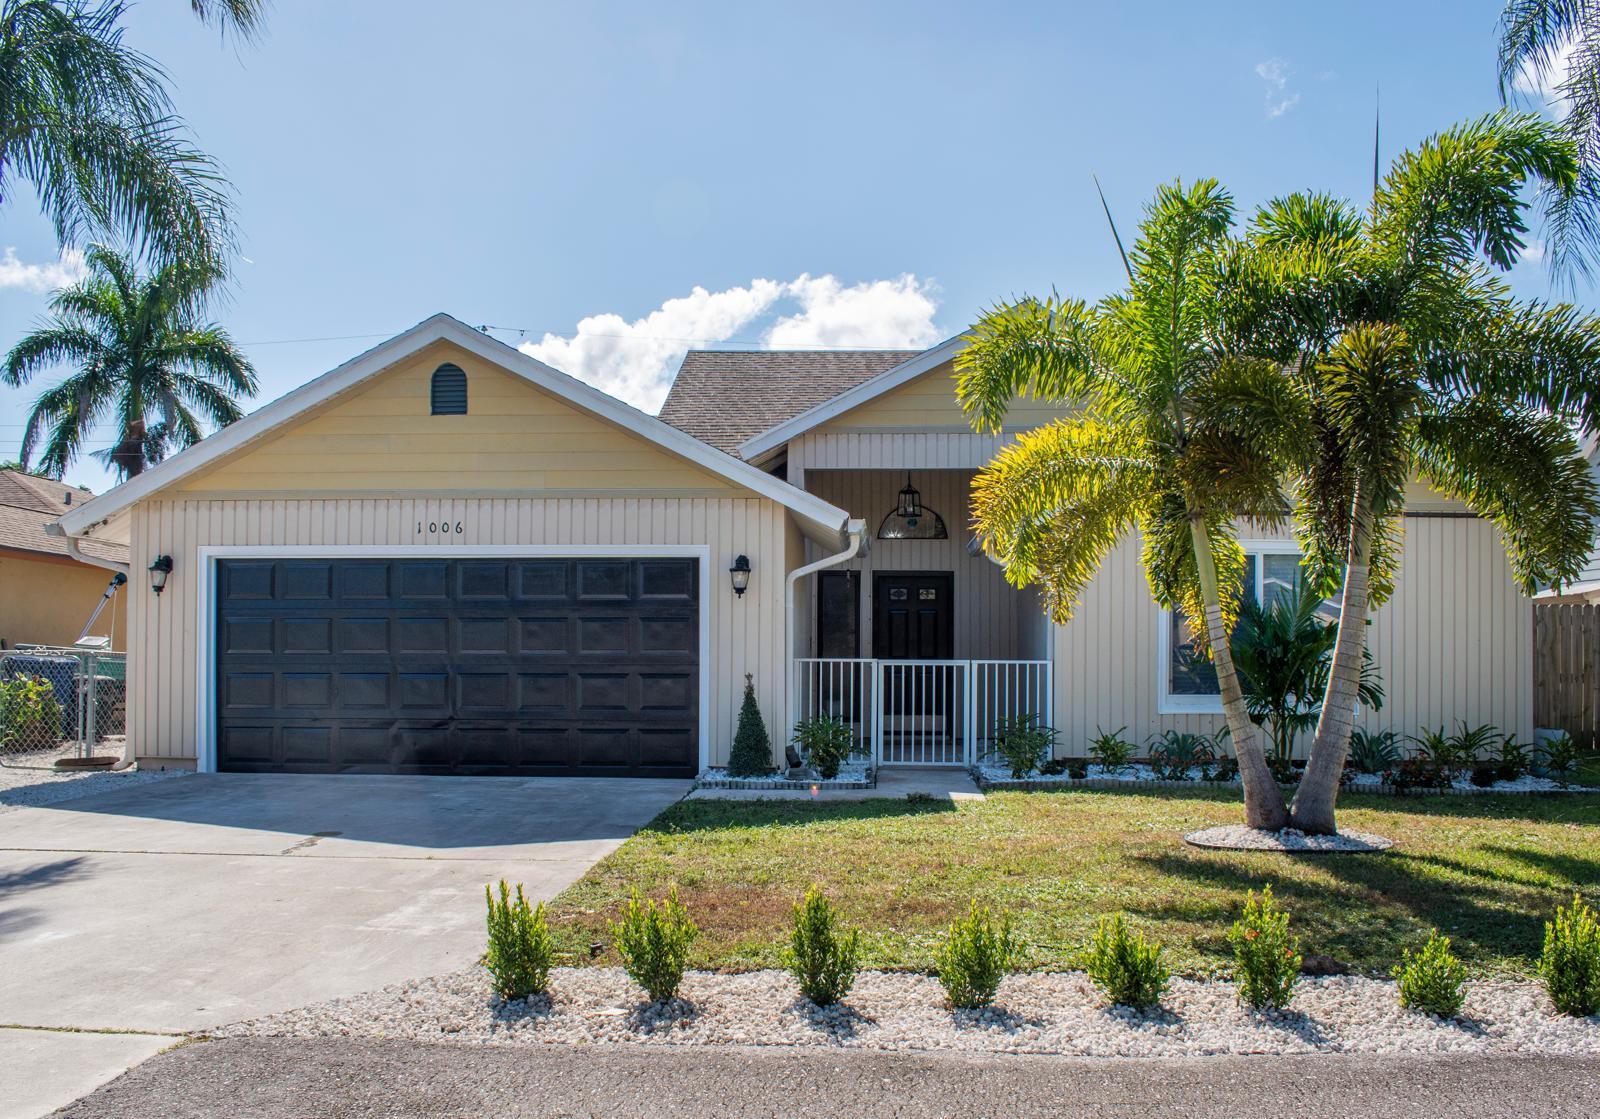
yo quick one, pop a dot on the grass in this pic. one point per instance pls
(1486, 870)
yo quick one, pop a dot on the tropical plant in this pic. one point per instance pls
(1417, 360)
(1110, 751)
(520, 948)
(86, 121)
(1512, 758)
(1374, 751)
(825, 742)
(1558, 757)
(1172, 433)
(243, 17)
(1024, 743)
(30, 715)
(1283, 651)
(1174, 753)
(143, 357)
(1125, 965)
(1551, 49)
(1432, 978)
(1266, 956)
(654, 943)
(751, 755)
(974, 957)
(823, 956)
(1570, 962)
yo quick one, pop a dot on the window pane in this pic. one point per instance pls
(1280, 574)
(1189, 673)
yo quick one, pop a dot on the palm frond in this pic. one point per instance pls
(1043, 348)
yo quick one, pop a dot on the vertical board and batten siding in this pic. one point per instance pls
(987, 608)
(1453, 643)
(746, 633)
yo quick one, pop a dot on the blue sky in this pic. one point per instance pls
(824, 174)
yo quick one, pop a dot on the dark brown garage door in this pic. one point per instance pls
(580, 667)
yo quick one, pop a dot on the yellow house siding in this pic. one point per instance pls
(45, 600)
(381, 437)
(746, 634)
(928, 403)
(1453, 643)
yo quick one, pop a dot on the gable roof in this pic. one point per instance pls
(28, 503)
(723, 397)
(823, 519)
(914, 366)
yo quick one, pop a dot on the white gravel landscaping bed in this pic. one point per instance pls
(852, 775)
(997, 773)
(1038, 1013)
(31, 788)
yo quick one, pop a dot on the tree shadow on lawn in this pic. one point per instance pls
(688, 816)
(1381, 903)
(1567, 871)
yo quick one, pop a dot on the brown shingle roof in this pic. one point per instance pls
(723, 397)
(29, 502)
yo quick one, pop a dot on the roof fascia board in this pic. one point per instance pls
(446, 328)
(891, 378)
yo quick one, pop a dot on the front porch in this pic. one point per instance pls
(918, 643)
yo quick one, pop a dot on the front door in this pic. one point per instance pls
(913, 616)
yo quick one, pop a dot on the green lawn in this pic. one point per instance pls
(1486, 870)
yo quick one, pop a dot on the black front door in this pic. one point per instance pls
(913, 616)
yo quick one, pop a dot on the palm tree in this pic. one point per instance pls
(143, 357)
(86, 120)
(1419, 362)
(1172, 434)
(1556, 43)
(244, 17)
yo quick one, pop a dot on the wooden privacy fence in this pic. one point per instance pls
(1566, 670)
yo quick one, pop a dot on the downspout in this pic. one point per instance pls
(857, 530)
(77, 553)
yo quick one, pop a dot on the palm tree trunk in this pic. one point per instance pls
(1313, 807)
(1263, 801)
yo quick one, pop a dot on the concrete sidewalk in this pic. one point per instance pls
(283, 1079)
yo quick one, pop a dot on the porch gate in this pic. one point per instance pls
(922, 712)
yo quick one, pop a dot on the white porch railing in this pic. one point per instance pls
(921, 712)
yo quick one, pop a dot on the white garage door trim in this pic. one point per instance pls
(205, 624)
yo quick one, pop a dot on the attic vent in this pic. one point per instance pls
(449, 391)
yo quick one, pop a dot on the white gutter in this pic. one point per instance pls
(858, 537)
(55, 529)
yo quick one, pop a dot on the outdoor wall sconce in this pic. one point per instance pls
(739, 573)
(159, 570)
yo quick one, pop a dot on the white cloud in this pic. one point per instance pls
(1534, 252)
(1275, 72)
(635, 361)
(1545, 86)
(19, 276)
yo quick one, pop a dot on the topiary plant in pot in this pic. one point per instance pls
(751, 755)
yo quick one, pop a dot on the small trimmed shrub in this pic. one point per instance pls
(825, 742)
(1077, 769)
(654, 943)
(1110, 751)
(1570, 963)
(1023, 744)
(1418, 773)
(823, 956)
(520, 947)
(1226, 769)
(1558, 756)
(1055, 767)
(30, 717)
(1125, 965)
(1174, 753)
(1432, 979)
(1266, 957)
(751, 755)
(1374, 751)
(974, 957)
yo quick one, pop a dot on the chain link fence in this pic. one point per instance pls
(61, 705)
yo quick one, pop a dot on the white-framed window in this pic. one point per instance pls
(1186, 682)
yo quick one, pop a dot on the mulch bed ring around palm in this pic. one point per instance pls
(1237, 837)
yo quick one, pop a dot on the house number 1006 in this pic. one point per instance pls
(437, 527)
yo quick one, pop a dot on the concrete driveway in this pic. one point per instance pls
(188, 903)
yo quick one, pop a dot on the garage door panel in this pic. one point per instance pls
(475, 666)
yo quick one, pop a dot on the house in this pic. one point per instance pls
(46, 595)
(446, 557)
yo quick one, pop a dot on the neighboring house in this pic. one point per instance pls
(46, 595)
(445, 556)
